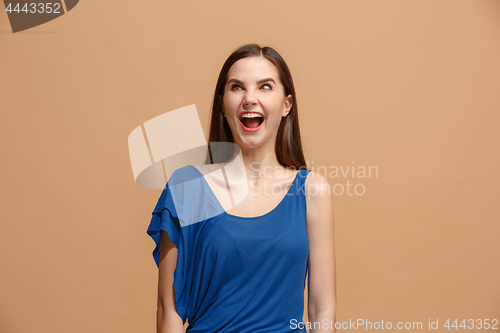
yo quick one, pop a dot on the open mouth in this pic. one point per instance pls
(251, 121)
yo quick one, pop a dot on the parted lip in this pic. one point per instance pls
(244, 112)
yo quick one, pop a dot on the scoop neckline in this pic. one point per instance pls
(249, 217)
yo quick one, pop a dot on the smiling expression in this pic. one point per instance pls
(254, 102)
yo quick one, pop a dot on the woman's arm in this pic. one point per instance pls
(168, 320)
(322, 299)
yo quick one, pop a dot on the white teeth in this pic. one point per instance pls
(251, 115)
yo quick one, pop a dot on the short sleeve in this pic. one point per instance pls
(164, 217)
(183, 209)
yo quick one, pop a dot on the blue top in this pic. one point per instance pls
(233, 273)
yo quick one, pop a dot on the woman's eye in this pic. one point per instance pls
(267, 85)
(235, 86)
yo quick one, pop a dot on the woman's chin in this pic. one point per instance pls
(252, 143)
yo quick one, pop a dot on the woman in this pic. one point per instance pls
(244, 270)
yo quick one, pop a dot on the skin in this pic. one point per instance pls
(268, 98)
(246, 91)
(322, 296)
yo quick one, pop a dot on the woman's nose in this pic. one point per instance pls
(250, 98)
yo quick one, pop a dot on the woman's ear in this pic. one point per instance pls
(287, 106)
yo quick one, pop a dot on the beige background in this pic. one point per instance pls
(408, 86)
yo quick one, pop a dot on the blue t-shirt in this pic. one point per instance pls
(234, 274)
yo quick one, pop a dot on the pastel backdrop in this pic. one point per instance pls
(410, 87)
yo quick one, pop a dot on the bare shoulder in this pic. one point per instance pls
(319, 199)
(316, 185)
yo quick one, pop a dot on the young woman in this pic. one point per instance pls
(244, 270)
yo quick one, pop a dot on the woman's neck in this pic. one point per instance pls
(261, 164)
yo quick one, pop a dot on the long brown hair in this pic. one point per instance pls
(288, 146)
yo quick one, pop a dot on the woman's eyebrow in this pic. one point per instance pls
(258, 82)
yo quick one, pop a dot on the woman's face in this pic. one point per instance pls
(253, 85)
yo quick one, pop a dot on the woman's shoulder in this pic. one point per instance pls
(183, 174)
(316, 180)
(317, 188)
(319, 201)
